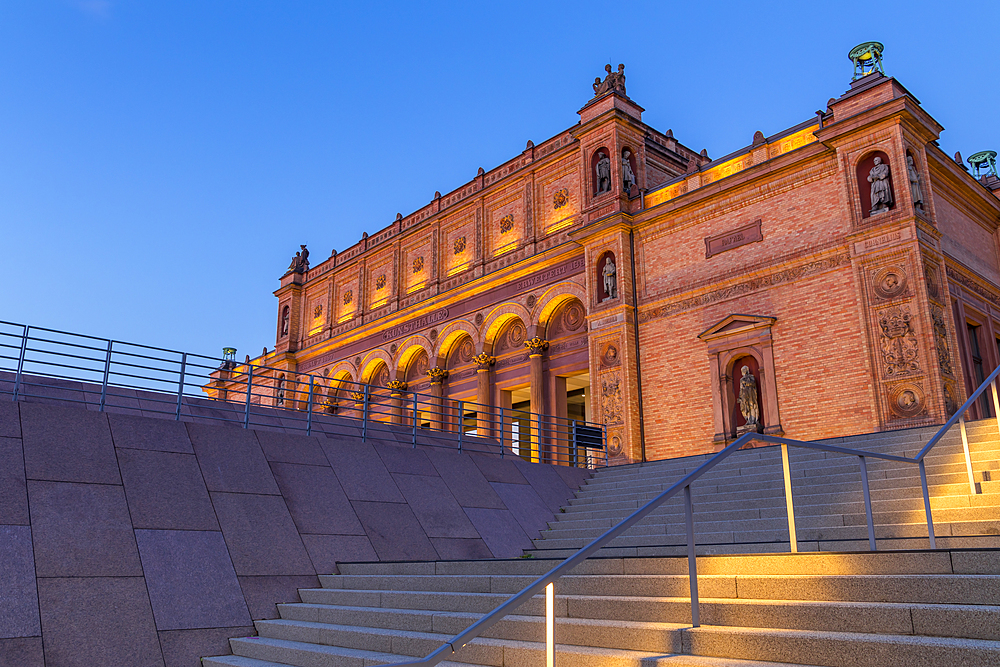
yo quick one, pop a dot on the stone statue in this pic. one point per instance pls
(612, 81)
(915, 190)
(881, 194)
(610, 273)
(284, 321)
(603, 172)
(300, 263)
(749, 407)
(628, 178)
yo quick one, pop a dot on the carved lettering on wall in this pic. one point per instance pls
(898, 342)
(611, 398)
(889, 282)
(762, 282)
(734, 239)
(941, 340)
(414, 325)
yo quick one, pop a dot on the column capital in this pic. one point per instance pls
(436, 374)
(396, 387)
(358, 396)
(536, 346)
(484, 361)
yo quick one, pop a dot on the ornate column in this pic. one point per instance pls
(536, 346)
(483, 418)
(437, 376)
(396, 389)
(359, 404)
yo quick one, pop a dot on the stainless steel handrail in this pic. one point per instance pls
(684, 484)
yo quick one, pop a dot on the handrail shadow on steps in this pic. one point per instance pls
(546, 581)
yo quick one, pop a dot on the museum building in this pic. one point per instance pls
(839, 277)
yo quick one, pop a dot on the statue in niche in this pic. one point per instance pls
(285, 316)
(603, 172)
(628, 178)
(300, 263)
(749, 406)
(915, 190)
(610, 273)
(881, 194)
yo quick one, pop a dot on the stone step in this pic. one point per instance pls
(837, 649)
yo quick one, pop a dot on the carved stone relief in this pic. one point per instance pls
(418, 264)
(906, 400)
(573, 317)
(380, 281)
(459, 245)
(889, 282)
(560, 199)
(930, 276)
(950, 404)
(348, 297)
(506, 224)
(615, 445)
(610, 356)
(467, 351)
(531, 301)
(611, 397)
(898, 342)
(941, 340)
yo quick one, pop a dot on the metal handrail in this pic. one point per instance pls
(684, 484)
(110, 368)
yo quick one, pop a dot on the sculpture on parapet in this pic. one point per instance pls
(880, 191)
(749, 406)
(300, 263)
(916, 191)
(613, 81)
(603, 169)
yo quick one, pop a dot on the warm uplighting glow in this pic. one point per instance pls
(562, 224)
(458, 269)
(413, 288)
(505, 248)
(550, 612)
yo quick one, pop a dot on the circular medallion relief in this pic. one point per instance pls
(479, 319)
(383, 377)
(610, 356)
(516, 335)
(890, 282)
(434, 334)
(573, 317)
(906, 400)
(615, 446)
(467, 350)
(392, 349)
(357, 361)
(531, 301)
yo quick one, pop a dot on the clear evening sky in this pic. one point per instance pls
(160, 162)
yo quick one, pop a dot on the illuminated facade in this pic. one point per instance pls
(611, 272)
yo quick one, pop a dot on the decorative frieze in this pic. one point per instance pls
(898, 342)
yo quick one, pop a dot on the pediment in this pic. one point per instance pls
(737, 323)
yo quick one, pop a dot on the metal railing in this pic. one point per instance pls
(547, 581)
(44, 363)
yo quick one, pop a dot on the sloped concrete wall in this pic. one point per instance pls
(127, 540)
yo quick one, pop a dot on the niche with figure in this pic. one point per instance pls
(607, 277)
(748, 400)
(875, 184)
(600, 171)
(285, 317)
(629, 174)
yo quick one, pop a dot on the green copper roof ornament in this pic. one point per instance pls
(983, 163)
(867, 59)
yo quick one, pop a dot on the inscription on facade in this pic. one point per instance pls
(738, 237)
(415, 325)
(551, 274)
(882, 240)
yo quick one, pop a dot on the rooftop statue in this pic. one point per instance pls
(300, 263)
(613, 81)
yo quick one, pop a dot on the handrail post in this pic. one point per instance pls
(996, 401)
(364, 413)
(461, 423)
(927, 504)
(414, 420)
(20, 361)
(575, 456)
(107, 371)
(309, 406)
(550, 625)
(503, 427)
(868, 503)
(180, 385)
(968, 457)
(692, 559)
(604, 436)
(789, 508)
(246, 409)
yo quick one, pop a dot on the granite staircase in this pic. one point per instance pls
(908, 607)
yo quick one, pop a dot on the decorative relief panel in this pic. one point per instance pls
(459, 245)
(560, 198)
(941, 340)
(611, 397)
(906, 400)
(889, 283)
(418, 264)
(506, 223)
(930, 276)
(610, 356)
(898, 342)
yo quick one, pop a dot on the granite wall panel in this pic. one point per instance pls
(13, 491)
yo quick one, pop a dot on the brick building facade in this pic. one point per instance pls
(771, 258)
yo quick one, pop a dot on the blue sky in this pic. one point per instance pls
(161, 162)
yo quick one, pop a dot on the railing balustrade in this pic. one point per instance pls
(114, 375)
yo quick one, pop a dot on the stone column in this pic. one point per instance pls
(483, 417)
(437, 376)
(396, 389)
(536, 346)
